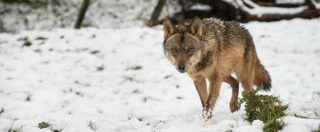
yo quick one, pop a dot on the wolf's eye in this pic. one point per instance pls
(174, 50)
(190, 50)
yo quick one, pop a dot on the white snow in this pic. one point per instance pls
(61, 81)
(290, 1)
(260, 10)
(200, 7)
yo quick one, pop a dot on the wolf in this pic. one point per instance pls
(209, 50)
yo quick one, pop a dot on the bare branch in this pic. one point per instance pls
(259, 10)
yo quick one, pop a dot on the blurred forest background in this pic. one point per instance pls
(18, 15)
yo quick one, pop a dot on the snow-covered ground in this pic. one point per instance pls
(118, 80)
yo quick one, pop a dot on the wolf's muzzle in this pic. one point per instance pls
(182, 68)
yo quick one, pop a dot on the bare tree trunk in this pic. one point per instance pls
(156, 13)
(1, 27)
(82, 12)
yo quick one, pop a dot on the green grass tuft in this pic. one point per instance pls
(1, 110)
(317, 130)
(15, 129)
(18, 129)
(266, 108)
(100, 68)
(42, 125)
(92, 125)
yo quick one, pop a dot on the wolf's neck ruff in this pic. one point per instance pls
(205, 61)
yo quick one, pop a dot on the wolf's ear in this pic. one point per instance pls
(168, 28)
(196, 27)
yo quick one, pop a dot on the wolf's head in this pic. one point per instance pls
(182, 43)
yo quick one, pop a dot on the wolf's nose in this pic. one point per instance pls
(182, 68)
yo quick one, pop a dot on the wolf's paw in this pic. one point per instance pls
(233, 106)
(206, 114)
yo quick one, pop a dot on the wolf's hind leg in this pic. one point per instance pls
(247, 77)
(235, 90)
(247, 72)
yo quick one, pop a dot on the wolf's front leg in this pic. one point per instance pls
(214, 90)
(201, 86)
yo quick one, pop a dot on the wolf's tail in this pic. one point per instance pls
(262, 77)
